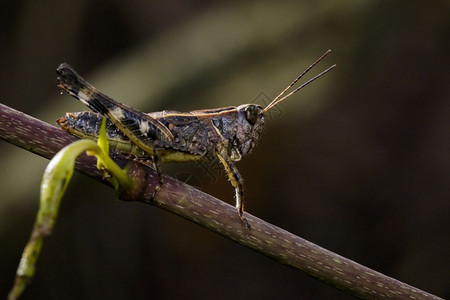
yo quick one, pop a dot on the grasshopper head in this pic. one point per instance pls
(250, 125)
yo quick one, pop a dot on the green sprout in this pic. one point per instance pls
(54, 183)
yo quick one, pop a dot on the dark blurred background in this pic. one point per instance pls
(358, 162)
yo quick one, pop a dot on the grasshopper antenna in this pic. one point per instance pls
(280, 97)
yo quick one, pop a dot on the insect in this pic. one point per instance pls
(225, 134)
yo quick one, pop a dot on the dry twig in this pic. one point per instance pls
(218, 216)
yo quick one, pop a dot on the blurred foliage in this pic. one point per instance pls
(358, 162)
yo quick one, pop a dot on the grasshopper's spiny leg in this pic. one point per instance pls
(143, 130)
(236, 180)
(140, 128)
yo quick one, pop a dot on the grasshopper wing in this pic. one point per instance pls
(143, 130)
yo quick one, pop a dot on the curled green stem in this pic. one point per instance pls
(56, 177)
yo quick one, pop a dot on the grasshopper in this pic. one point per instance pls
(225, 134)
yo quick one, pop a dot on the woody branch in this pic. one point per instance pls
(198, 207)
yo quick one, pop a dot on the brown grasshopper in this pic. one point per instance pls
(226, 134)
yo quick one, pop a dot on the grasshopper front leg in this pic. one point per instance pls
(236, 180)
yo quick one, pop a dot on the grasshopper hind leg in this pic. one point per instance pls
(237, 181)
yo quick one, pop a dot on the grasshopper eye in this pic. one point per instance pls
(252, 114)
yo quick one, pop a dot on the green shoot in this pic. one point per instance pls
(54, 183)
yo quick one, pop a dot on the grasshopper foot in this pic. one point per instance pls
(155, 161)
(156, 190)
(244, 220)
(152, 198)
